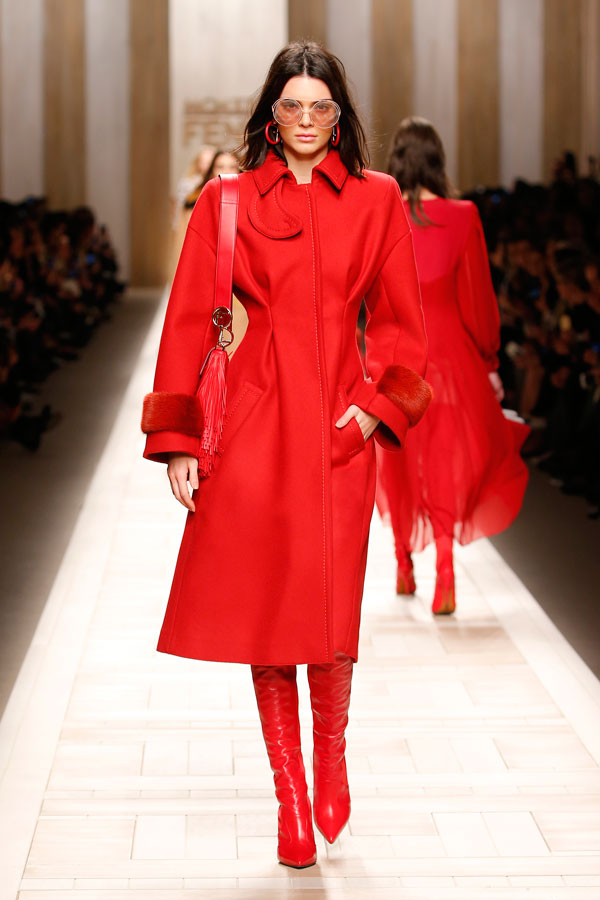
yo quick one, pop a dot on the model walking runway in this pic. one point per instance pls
(473, 746)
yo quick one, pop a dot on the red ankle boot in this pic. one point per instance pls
(405, 578)
(277, 699)
(444, 598)
(330, 698)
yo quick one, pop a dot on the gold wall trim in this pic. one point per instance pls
(478, 93)
(590, 93)
(64, 103)
(149, 141)
(562, 79)
(1, 111)
(392, 78)
(307, 19)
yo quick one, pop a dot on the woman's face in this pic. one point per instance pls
(203, 160)
(225, 164)
(305, 140)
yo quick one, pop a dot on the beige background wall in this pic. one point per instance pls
(149, 139)
(95, 95)
(107, 117)
(21, 98)
(435, 48)
(521, 75)
(217, 51)
(92, 97)
(508, 83)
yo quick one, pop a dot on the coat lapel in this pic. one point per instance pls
(267, 212)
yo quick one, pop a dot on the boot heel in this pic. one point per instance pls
(405, 582)
(444, 598)
(405, 578)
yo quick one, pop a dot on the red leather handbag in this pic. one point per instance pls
(212, 387)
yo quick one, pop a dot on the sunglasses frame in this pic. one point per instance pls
(301, 111)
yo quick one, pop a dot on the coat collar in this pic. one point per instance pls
(274, 168)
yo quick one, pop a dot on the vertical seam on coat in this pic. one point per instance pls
(323, 497)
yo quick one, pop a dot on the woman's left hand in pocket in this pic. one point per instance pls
(367, 422)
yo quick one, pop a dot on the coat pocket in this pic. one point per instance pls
(239, 406)
(346, 442)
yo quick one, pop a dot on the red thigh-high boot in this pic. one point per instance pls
(330, 698)
(277, 699)
(444, 599)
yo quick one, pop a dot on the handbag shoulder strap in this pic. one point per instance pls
(228, 216)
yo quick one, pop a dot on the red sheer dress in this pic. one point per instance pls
(460, 472)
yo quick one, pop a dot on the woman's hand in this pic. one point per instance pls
(181, 469)
(496, 383)
(366, 421)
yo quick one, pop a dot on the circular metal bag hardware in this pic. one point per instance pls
(222, 317)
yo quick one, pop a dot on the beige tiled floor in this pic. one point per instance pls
(474, 744)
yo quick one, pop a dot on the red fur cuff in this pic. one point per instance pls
(406, 390)
(172, 412)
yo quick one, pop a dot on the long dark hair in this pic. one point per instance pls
(417, 159)
(306, 58)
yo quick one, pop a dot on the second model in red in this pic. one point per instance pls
(460, 476)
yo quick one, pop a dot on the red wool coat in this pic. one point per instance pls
(271, 565)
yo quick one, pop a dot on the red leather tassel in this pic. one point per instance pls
(212, 394)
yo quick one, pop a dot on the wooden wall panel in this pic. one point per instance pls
(307, 19)
(435, 87)
(1, 105)
(590, 102)
(392, 78)
(478, 93)
(107, 118)
(149, 141)
(521, 89)
(562, 79)
(64, 103)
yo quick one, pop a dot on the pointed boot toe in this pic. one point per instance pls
(333, 811)
(296, 842)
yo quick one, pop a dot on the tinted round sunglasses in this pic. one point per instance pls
(322, 114)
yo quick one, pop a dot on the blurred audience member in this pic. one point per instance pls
(221, 162)
(544, 248)
(58, 275)
(194, 176)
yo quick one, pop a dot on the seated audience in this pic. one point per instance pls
(58, 277)
(544, 248)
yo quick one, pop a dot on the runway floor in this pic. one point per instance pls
(473, 748)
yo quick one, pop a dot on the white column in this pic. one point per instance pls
(107, 118)
(436, 71)
(349, 37)
(22, 126)
(521, 61)
(219, 50)
(590, 107)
